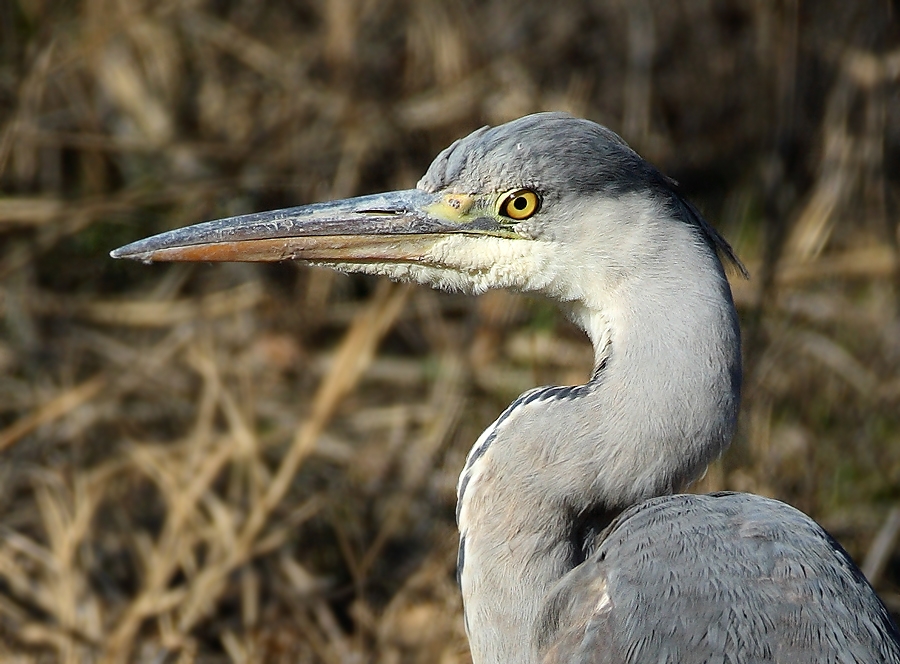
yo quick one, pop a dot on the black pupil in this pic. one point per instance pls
(520, 203)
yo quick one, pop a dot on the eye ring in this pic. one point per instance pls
(519, 204)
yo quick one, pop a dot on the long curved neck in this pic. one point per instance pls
(661, 405)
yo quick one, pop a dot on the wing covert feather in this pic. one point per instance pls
(719, 578)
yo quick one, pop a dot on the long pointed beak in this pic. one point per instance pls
(397, 226)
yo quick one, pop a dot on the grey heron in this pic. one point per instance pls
(574, 543)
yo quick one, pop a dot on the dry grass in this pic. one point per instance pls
(257, 463)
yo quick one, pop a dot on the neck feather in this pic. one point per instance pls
(661, 405)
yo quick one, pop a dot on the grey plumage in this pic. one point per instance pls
(572, 547)
(725, 577)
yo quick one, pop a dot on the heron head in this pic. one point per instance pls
(540, 204)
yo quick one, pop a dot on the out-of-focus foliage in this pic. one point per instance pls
(257, 463)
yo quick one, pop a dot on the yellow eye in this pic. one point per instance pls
(519, 204)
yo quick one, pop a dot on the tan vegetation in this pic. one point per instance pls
(257, 463)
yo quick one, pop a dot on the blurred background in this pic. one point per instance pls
(246, 463)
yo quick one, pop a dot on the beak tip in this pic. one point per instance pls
(123, 252)
(132, 252)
